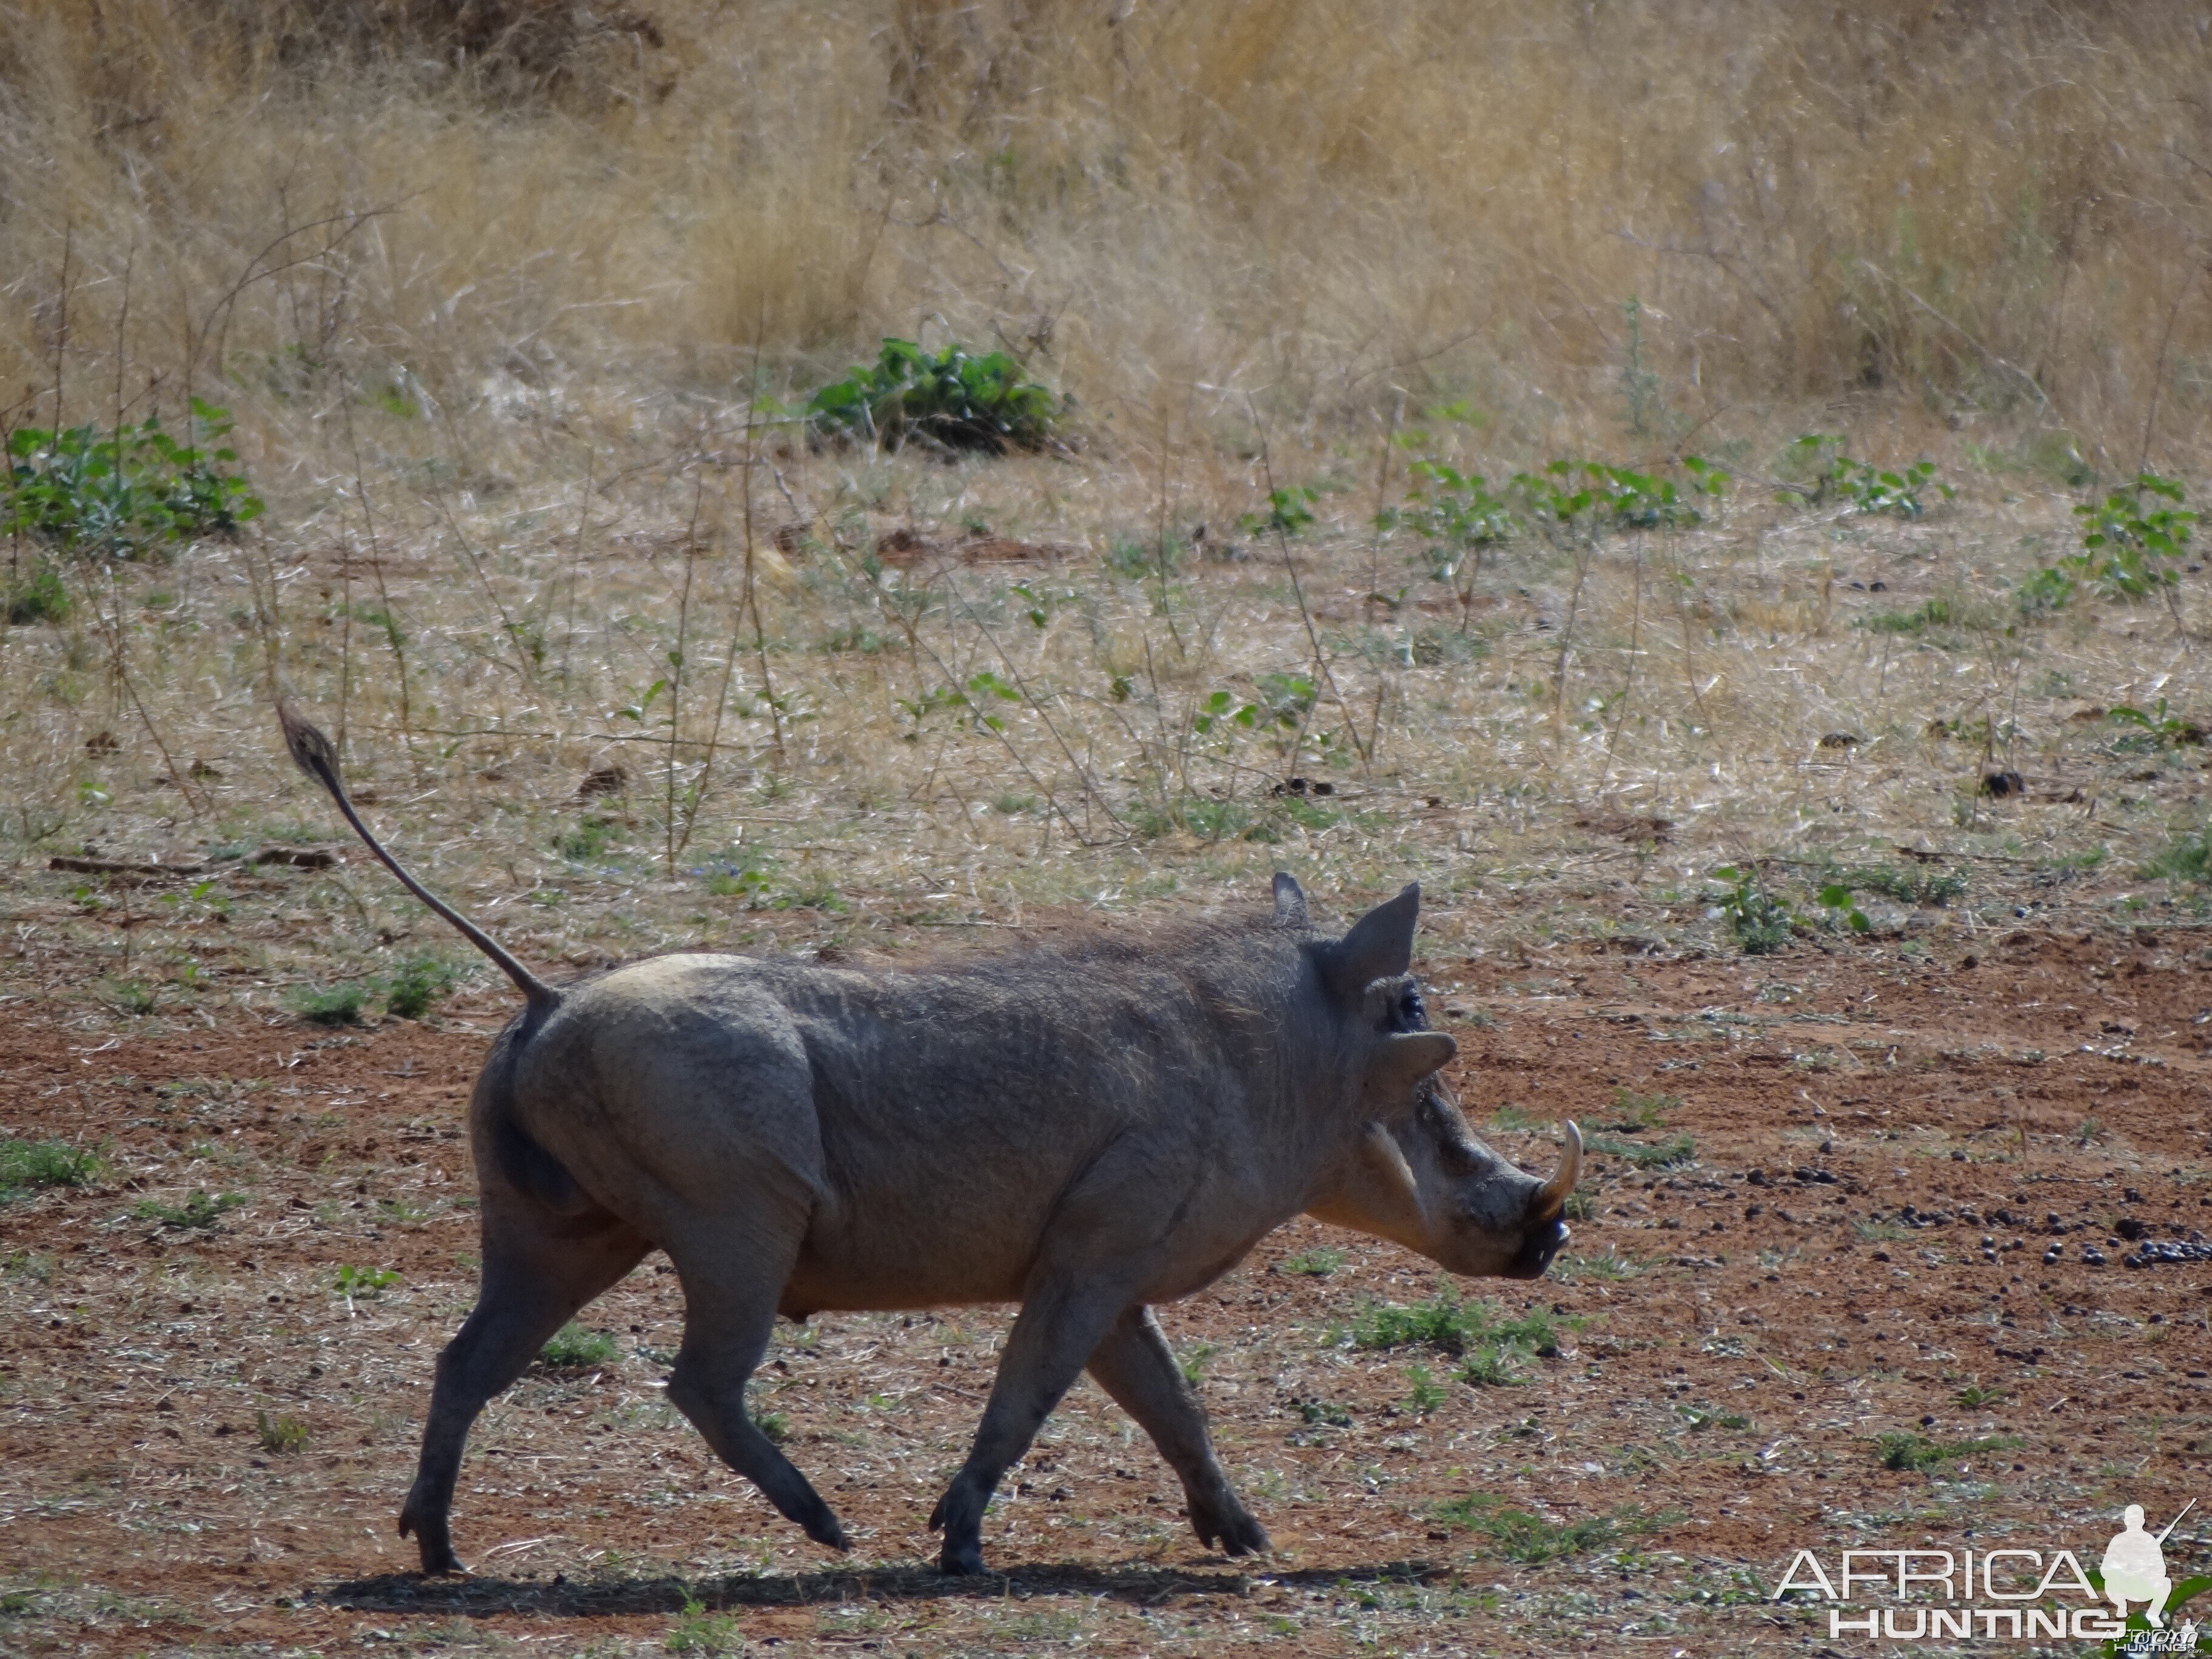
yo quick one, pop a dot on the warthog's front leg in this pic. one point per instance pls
(1058, 1330)
(1134, 1366)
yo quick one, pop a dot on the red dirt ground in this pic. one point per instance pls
(1884, 1149)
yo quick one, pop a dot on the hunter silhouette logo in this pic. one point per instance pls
(2135, 1565)
(2007, 1593)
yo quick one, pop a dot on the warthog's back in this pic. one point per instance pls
(931, 1123)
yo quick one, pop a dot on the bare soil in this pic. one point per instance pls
(203, 1443)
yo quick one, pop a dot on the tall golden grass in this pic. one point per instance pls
(1985, 212)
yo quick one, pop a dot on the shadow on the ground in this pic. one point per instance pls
(599, 1597)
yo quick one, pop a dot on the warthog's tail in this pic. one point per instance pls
(319, 758)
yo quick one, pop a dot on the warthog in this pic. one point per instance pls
(1084, 1130)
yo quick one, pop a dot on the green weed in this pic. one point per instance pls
(202, 1212)
(699, 1632)
(1762, 924)
(418, 985)
(958, 400)
(330, 1004)
(28, 1163)
(1317, 1263)
(1450, 1325)
(364, 1282)
(281, 1436)
(1916, 1453)
(1661, 1155)
(2188, 858)
(1516, 1535)
(1827, 474)
(121, 494)
(36, 595)
(1424, 1395)
(574, 1348)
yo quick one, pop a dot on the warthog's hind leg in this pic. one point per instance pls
(536, 1273)
(1134, 1366)
(1057, 1331)
(730, 1293)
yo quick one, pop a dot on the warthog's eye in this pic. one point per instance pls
(1410, 1015)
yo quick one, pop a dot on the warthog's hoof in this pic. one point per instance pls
(432, 1540)
(1235, 1533)
(964, 1559)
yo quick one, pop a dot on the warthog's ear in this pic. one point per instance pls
(1402, 1061)
(1289, 901)
(1379, 946)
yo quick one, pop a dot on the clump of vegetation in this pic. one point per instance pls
(35, 594)
(1516, 1535)
(1762, 923)
(1931, 613)
(1827, 474)
(1660, 1155)
(699, 1632)
(363, 1282)
(2131, 543)
(1491, 1344)
(1916, 1454)
(1571, 500)
(124, 493)
(202, 1212)
(1916, 885)
(574, 1348)
(2187, 858)
(1632, 1111)
(281, 1436)
(330, 1004)
(25, 1164)
(419, 985)
(958, 400)
(1317, 1263)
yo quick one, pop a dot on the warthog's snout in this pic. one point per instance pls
(1545, 1228)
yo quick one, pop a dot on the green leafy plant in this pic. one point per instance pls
(1842, 909)
(365, 1282)
(1906, 884)
(25, 1164)
(1931, 613)
(418, 985)
(1581, 498)
(1423, 1394)
(574, 1348)
(1290, 510)
(121, 494)
(699, 1632)
(281, 1436)
(2131, 542)
(1827, 474)
(202, 1212)
(1450, 1325)
(1762, 924)
(958, 400)
(1317, 1263)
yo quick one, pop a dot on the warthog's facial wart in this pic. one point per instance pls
(1421, 1177)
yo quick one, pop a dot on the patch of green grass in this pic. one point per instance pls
(200, 1213)
(1611, 1268)
(1933, 613)
(330, 1004)
(1317, 1263)
(1510, 1119)
(1661, 1155)
(1450, 1325)
(1632, 1111)
(36, 595)
(1912, 884)
(699, 1632)
(576, 1349)
(1195, 1362)
(1491, 1365)
(776, 1425)
(1916, 1453)
(591, 839)
(2189, 858)
(1423, 1394)
(1516, 1535)
(281, 1436)
(418, 985)
(131, 996)
(28, 1163)
(1974, 1395)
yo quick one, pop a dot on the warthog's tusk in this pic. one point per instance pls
(1551, 1198)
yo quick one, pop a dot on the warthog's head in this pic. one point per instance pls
(1418, 1176)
